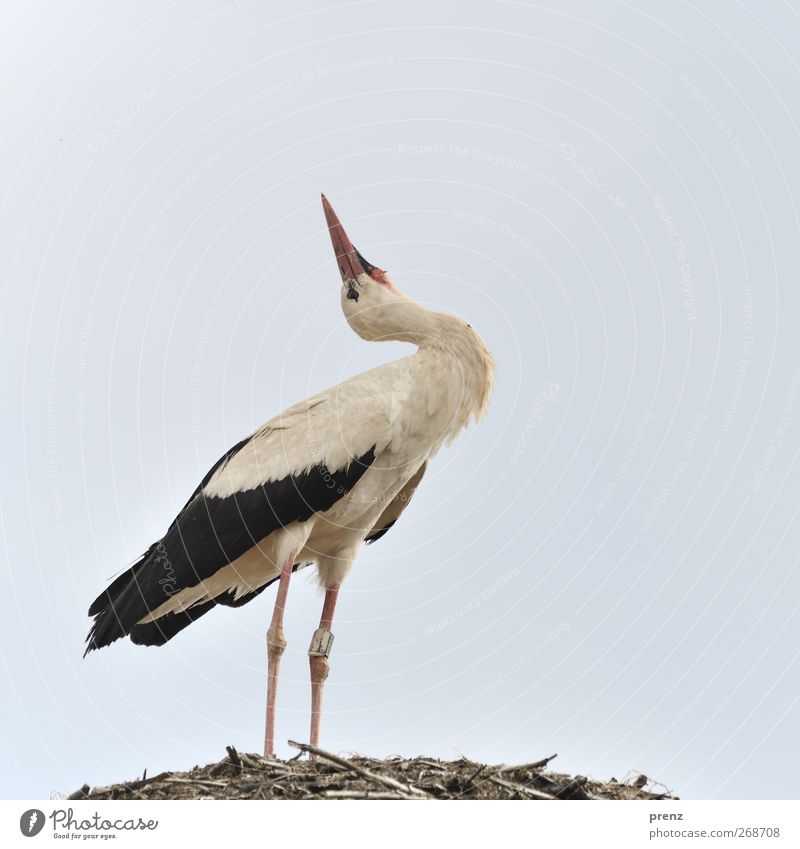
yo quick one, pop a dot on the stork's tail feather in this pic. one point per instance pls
(112, 608)
(118, 610)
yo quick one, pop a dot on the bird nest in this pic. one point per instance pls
(329, 776)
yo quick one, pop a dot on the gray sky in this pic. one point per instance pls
(606, 567)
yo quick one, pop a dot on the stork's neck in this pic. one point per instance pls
(384, 313)
(449, 338)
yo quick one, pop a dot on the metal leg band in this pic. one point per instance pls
(321, 643)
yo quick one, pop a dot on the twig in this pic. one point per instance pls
(520, 788)
(365, 773)
(174, 779)
(358, 794)
(535, 765)
(434, 764)
(135, 785)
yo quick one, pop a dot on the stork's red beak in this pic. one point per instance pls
(349, 260)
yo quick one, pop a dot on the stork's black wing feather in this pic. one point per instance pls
(376, 533)
(209, 533)
(395, 507)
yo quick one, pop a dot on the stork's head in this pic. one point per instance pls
(371, 303)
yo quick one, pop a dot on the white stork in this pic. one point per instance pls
(312, 485)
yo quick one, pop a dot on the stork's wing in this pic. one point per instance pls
(298, 464)
(396, 506)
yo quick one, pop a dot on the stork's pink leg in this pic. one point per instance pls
(276, 644)
(318, 653)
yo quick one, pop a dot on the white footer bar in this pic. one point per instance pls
(406, 825)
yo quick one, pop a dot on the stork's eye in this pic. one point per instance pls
(352, 294)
